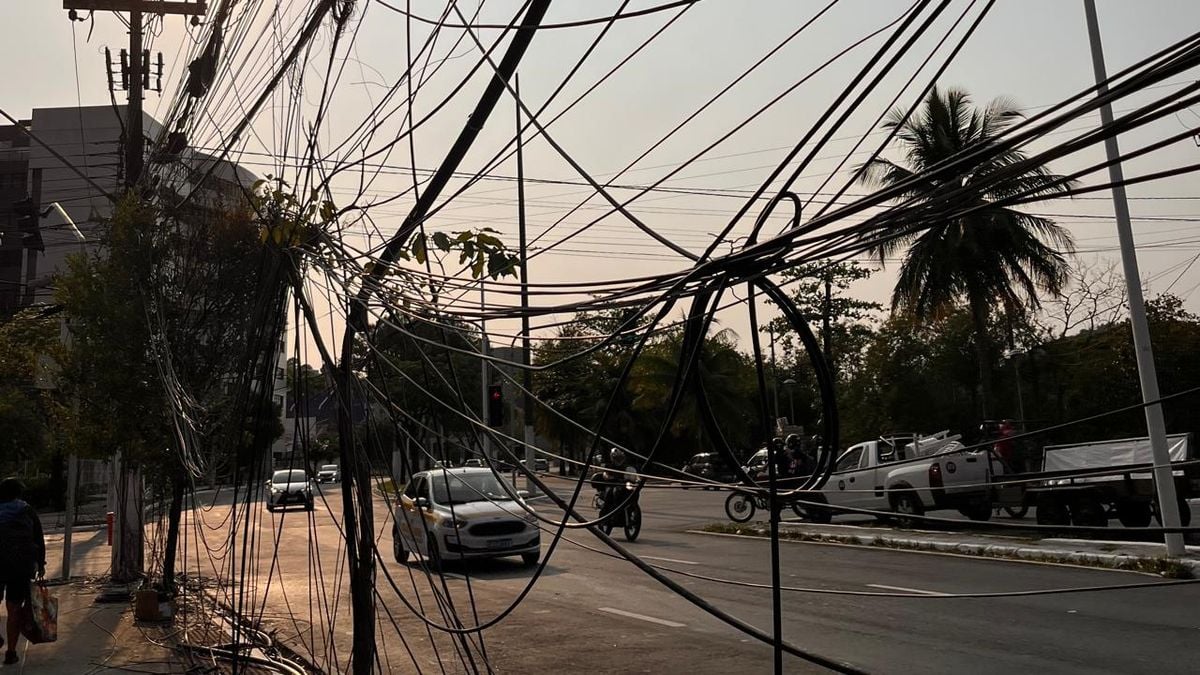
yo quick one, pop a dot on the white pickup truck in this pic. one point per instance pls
(910, 475)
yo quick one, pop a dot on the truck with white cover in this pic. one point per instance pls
(910, 475)
(1090, 483)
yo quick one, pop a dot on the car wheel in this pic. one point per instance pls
(1018, 512)
(1185, 512)
(1088, 511)
(270, 507)
(906, 505)
(1052, 511)
(398, 551)
(530, 559)
(978, 511)
(309, 505)
(433, 556)
(1133, 514)
(817, 514)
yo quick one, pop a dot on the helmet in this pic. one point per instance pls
(792, 440)
(616, 456)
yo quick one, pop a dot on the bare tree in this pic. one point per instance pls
(1093, 296)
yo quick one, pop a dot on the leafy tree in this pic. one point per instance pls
(579, 387)
(303, 380)
(27, 339)
(110, 369)
(995, 255)
(730, 386)
(422, 364)
(850, 318)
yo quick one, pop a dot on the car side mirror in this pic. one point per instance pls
(523, 494)
(422, 502)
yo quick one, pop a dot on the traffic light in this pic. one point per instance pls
(26, 215)
(495, 405)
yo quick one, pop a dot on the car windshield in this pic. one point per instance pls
(296, 476)
(329, 467)
(458, 488)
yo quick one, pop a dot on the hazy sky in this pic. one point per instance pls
(1033, 52)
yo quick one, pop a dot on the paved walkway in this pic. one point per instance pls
(93, 638)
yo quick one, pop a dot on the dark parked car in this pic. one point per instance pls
(710, 466)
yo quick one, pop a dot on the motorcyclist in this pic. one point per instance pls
(780, 456)
(614, 478)
(799, 458)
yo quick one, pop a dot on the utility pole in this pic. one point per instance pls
(826, 311)
(1164, 480)
(774, 372)
(135, 150)
(137, 75)
(526, 373)
(127, 554)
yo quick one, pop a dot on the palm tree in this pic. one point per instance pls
(994, 256)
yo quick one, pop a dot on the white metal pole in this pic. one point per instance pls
(1168, 507)
(69, 516)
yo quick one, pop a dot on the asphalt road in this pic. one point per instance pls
(590, 612)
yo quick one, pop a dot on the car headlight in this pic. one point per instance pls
(529, 517)
(456, 523)
(275, 490)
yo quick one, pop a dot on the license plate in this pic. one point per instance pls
(499, 543)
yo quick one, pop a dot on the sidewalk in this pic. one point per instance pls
(95, 638)
(1125, 555)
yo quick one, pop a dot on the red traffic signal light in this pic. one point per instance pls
(495, 405)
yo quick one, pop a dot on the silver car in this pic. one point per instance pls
(461, 514)
(289, 486)
(329, 473)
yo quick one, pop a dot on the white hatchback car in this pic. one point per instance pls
(289, 486)
(463, 514)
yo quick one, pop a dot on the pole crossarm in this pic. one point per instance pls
(198, 8)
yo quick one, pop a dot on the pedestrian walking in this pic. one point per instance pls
(22, 556)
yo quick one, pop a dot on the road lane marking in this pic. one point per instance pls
(670, 560)
(906, 590)
(642, 617)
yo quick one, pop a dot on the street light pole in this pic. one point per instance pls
(791, 388)
(1164, 480)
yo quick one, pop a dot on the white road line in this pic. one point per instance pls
(906, 590)
(670, 560)
(642, 617)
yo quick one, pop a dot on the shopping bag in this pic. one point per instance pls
(41, 615)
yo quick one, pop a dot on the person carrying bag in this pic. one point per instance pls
(22, 556)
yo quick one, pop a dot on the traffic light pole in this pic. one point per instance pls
(485, 438)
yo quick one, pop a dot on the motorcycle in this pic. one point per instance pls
(628, 518)
(740, 506)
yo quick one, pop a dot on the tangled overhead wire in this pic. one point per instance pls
(421, 398)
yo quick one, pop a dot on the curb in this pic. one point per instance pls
(1115, 561)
